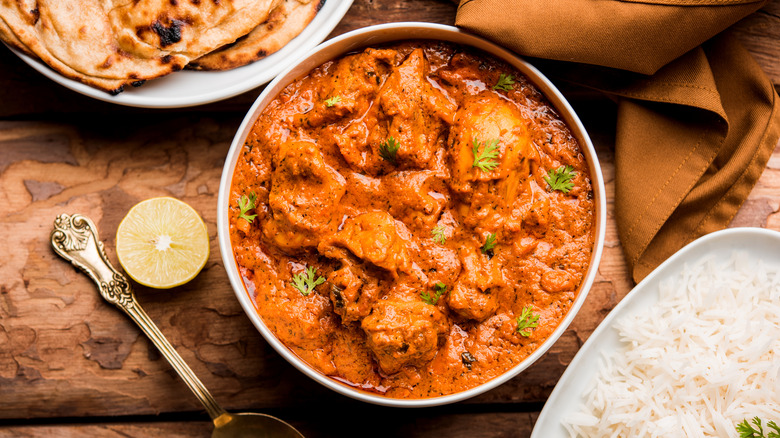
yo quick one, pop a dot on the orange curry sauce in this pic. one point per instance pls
(390, 231)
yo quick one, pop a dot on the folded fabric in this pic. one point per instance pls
(697, 119)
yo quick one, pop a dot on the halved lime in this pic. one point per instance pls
(162, 243)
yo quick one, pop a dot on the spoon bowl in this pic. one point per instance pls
(249, 424)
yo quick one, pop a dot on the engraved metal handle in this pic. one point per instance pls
(75, 239)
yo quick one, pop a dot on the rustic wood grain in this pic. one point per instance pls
(402, 424)
(111, 430)
(67, 357)
(760, 33)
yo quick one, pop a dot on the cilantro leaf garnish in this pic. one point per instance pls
(745, 430)
(440, 287)
(388, 149)
(485, 160)
(505, 82)
(490, 243)
(560, 178)
(438, 234)
(305, 282)
(246, 203)
(332, 101)
(526, 321)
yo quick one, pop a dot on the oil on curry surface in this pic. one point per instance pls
(412, 220)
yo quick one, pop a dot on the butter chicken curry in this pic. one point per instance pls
(412, 220)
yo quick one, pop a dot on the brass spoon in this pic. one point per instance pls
(75, 239)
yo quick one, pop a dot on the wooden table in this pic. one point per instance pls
(72, 365)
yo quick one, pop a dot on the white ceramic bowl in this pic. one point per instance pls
(372, 36)
(190, 88)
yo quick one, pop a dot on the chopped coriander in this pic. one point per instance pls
(388, 149)
(246, 203)
(560, 178)
(305, 282)
(438, 234)
(440, 287)
(485, 160)
(526, 321)
(332, 101)
(505, 82)
(745, 430)
(490, 243)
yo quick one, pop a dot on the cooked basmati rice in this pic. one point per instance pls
(703, 359)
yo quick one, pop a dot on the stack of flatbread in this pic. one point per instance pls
(109, 44)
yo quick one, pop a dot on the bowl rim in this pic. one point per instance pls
(378, 34)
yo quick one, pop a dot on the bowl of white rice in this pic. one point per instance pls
(692, 351)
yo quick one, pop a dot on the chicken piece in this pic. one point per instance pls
(402, 333)
(410, 110)
(485, 209)
(303, 197)
(415, 197)
(356, 148)
(486, 121)
(303, 323)
(531, 211)
(352, 294)
(463, 68)
(410, 198)
(374, 237)
(475, 293)
(439, 262)
(417, 111)
(355, 81)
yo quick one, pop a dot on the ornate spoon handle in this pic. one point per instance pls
(75, 239)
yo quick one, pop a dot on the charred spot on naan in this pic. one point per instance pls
(167, 29)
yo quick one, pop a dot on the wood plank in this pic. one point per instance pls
(369, 12)
(760, 33)
(313, 424)
(110, 430)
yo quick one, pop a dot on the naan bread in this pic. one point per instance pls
(189, 28)
(78, 34)
(109, 85)
(110, 43)
(9, 38)
(284, 23)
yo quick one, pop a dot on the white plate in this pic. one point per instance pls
(567, 397)
(189, 88)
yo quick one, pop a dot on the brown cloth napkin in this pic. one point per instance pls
(697, 119)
